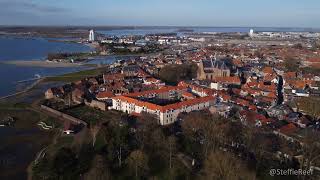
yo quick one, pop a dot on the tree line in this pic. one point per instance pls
(201, 146)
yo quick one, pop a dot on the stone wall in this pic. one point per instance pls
(63, 116)
(97, 104)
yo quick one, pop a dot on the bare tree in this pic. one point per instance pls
(138, 160)
(172, 148)
(146, 133)
(99, 170)
(223, 165)
(94, 129)
(206, 126)
(311, 149)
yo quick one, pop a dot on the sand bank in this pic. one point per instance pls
(46, 64)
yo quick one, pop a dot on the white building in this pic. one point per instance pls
(166, 114)
(251, 33)
(91, 36)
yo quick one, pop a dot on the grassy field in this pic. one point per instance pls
(61, 141)
(89, 114)
(71, 77)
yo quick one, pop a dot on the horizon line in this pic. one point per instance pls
(164, 26)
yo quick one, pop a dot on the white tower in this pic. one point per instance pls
(251, 33)
(91, 35)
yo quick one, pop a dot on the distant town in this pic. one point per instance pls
(181, 106)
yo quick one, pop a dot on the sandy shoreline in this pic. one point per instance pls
(46, 64)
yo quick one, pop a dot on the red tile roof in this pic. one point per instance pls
(290, 75)
(300, 84)
(253, 117)
(225, 97)
(242, 102)
(228, 80)
(197, 88)
(152, 80)
(105, 94)
(267, 70)
(288, 129)
(253, 107)
(313, 59)
(157, 91)
(272, 95)
(110, 77)
(187, 94)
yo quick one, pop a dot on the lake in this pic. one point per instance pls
(18, 48)
(10, 74)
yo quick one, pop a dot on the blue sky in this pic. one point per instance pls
(251, 13)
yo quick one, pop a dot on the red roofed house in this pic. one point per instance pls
(286, 131)
(251, 117)
(228, 80)
(105, 96)
(267, 70)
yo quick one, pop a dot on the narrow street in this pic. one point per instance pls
(280, 90)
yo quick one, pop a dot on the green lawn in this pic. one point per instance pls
(71, 77)
(63, 141)
(89, 114)
(25, 118)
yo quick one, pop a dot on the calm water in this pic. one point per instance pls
(10, 74)
(12, 48)
(30, 49)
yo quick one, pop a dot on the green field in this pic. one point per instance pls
(92, 115)
(71, 77)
